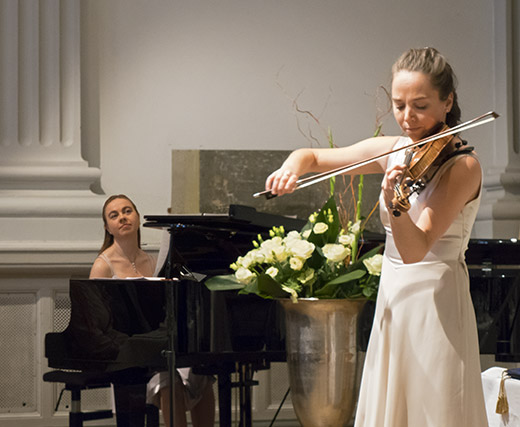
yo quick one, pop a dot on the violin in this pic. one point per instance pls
(423, 158)
(421, 163)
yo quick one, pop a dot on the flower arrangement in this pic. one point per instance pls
(320, 261)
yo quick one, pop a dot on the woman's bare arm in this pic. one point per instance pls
(307, 160)
(458, 185)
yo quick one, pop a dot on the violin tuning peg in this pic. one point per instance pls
(462, 143)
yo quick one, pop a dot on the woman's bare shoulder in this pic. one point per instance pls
(100, 269)
(461, 182)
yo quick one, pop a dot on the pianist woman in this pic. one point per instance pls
(121, 256)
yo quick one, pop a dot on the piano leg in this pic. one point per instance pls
(130, 404)
(244, 384)
(246, 373)
(224, 398)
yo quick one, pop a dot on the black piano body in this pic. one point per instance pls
(494, 270)
(120, 325)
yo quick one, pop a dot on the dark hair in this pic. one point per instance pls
(430, 62)
(109, 239)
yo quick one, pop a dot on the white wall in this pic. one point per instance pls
(201, 74)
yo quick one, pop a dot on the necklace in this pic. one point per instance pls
(133, 266)
(123, 255)
(132, 263)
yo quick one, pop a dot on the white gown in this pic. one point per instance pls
(422, 367)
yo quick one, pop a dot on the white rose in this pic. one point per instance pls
(275, 241)
(258, 256)
(346, 239)
(249, 259)
(243, 275)
(242, 262)
(272, 250)
(334, 252)
(296, 263)
(301, 248)
(272, 271)
(355, 227)
(374, 264)
(268, 255)
(320, 228)
(280, 253)
(274, 253)
(293, 235)
(306, 233)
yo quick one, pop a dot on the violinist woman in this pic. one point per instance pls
(121, 256)
(422, 366)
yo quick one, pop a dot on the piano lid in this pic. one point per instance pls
(239, 218)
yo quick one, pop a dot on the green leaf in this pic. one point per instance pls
(251, 288)
(326, 292)
(330, 289)
(368, 292)
(268, 287)
(223, 283)
(332, 233)
(353, 275)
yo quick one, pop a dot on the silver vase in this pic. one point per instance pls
(322, 358)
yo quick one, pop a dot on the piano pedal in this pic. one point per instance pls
(59, 400)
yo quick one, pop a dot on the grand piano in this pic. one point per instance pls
(133, 328)
(125, 325)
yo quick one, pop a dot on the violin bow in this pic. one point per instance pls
(314, 179)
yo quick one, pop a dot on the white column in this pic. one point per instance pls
(499, 216)
(45, 199)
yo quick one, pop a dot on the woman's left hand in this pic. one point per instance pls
(390, 180)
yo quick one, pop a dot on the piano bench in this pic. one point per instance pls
(76, 382)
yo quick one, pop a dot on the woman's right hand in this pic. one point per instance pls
(281, 181)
